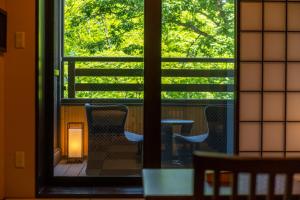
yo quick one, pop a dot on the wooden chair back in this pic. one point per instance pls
(233, 166)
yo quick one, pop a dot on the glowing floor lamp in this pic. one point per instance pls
(75, 141)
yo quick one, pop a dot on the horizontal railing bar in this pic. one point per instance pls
(109, 87)
(165, 72)
(164, 87)
(141, 59)
(165, 102)
(197, 88)
(103, 59)
(109, 72)
(204, 60)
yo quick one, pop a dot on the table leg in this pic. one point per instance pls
(167, 132)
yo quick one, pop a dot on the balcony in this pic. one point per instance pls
(188, 86)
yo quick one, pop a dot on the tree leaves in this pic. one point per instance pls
(190, 28)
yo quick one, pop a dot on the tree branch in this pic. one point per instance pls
(220, 6)
(193, 28)
(208, 17)
(192, 44)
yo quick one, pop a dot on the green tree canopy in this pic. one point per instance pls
(190, 28)
(115, 28)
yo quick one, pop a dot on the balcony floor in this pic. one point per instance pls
(112, 168)
(70, 169)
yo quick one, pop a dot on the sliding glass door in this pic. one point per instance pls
(197, 78)
(143, 83)
(102, 65)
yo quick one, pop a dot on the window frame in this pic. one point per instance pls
(152, 99)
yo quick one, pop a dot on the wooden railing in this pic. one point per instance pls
(74, 72)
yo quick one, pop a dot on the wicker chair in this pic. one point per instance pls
(215, 136)
(105, 129)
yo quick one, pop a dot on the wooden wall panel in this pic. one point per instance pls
(19, 100)
(134, 120)
(2, 77)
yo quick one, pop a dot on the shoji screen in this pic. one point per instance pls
(269, 95)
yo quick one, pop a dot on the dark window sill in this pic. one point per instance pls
(91, 192)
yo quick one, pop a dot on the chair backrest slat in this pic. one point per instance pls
(234, 186)
(216, 183)
(288, 186)
(271, 186)
(252, 186)
(199, 183)
(235, 165)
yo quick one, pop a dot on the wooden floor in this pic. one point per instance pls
(110, 168)
(70, 169)
(122, 162)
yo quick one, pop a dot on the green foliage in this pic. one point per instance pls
(115, 28)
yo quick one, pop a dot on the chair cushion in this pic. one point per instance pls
(192, 138)
(133, 137)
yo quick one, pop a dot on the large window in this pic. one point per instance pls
(104, 63)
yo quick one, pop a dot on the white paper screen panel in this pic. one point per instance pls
(293, 46)
(269, 78)
(293, 16)
(274, 46)
(250, 74)
(293, 106)
(293, 74)
(250, 106)
(274, 76)
(293, 154)
(274, 21)
(273, 154)
(293, 136)
(249, 136)
(251, 46)
(249, 154)
(273, 137)
(273, 108)
(251, 14)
